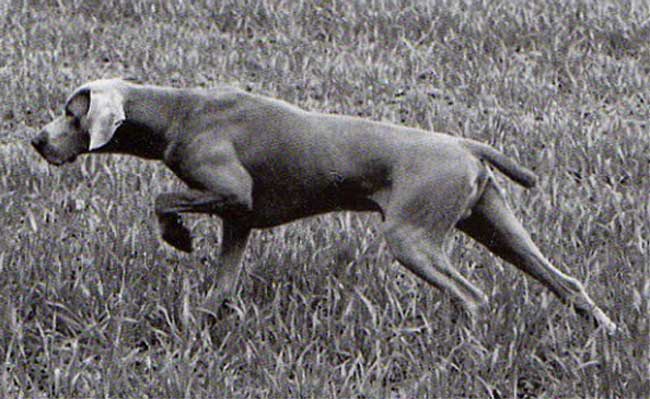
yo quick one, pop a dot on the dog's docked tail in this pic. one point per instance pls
(516, 172)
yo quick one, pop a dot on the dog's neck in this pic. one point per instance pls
(148, 130)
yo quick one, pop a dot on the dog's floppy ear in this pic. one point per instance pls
(78, 104)
(105, 114)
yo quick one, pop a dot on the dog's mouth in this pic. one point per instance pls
(60, 161)
(52, 156)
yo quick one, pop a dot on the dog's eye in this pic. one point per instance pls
(74, 120)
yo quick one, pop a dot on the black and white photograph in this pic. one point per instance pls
(355, 199)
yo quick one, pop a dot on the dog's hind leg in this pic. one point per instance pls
(494, 225)
(421, 212)
(424, 255)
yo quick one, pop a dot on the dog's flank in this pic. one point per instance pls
(259, 162)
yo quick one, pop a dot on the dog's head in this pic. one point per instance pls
(91, 116)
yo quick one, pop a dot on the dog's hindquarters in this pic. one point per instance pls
(459, 191)
(427, 201)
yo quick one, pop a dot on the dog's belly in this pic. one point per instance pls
(280, 207)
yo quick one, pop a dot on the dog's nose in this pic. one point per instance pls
(39, 141)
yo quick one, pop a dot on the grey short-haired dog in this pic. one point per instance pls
(258, 162)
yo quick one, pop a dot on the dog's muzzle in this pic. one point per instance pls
(39, 142)
(49, 153)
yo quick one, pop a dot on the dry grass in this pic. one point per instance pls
(93, 305)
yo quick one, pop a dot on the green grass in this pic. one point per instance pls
(92, 304)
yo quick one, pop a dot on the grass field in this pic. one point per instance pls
(93, 305)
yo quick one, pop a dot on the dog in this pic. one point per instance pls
(258, 162)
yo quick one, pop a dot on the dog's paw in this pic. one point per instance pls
(597, 318)
(176, 235)
(180, 239)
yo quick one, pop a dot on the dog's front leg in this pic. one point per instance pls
(223, 286)
(171, 224)
(233, 244)
(169, 206)
(220, 186)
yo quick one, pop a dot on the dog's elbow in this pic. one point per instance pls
(238, 204)
(246, 203)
